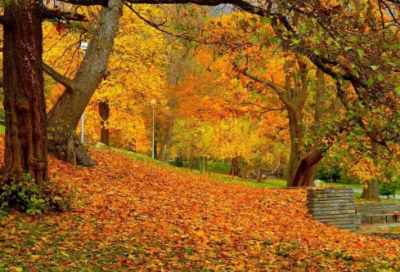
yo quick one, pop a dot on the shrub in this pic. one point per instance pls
(25, 195)
(388, 189)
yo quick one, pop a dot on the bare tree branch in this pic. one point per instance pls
(180, 36)
(273, 86)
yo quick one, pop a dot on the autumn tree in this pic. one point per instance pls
(67, 111)
(24, 101)
(362, 58)
(136, 75)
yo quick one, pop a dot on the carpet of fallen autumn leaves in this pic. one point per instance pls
(131, 215)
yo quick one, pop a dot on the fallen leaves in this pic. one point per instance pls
(154, 218)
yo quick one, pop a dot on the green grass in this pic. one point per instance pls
(269, 183)
(214, 166)
(2, 129)
(349, 185)
(140, 157)
(354, 186)
(225, 178)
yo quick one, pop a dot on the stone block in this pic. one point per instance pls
(332, 206)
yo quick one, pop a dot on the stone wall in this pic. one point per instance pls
(333, 206)
(385, 209)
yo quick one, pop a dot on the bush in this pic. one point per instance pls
(25, 195)
(388, 189)
(329, 175)
(220, 167)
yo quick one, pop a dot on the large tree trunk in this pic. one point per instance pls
(66, 113)
(303, 165)
(104, 111)
(372, 191)
(24, 101)
(303, 175)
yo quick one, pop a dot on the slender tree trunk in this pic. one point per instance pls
(235, 169)
(259, 176)
(156, 152)
(243, 171)
(66, 113)
(24, 101)
(200, 165)
(104, 111)
(191, 163)
(169, 139)
(162, 151)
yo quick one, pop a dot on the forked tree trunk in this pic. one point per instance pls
(303, 164)
(24, 101)
(104, 112)
(372, 191)
(303, 175)
(66, 113)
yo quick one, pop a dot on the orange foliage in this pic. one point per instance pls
(133, 216)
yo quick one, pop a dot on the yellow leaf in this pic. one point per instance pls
(35, 257)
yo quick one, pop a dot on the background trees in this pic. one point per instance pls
(326, 52)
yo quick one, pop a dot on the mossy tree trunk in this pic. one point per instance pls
(24, 101)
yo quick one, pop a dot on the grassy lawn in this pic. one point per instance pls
(251, 183)
(349, 185)
(140, 157)
(354, 186)
(269, 183)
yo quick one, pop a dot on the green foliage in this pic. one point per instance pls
(2, 117)
(27, 196)
(388, 189)
(332, 174)
(215, 166)
(219, 167)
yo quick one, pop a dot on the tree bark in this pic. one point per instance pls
(303, 174)
(104, 112)
(303, 165)
(235, 169)
(162, 151)
(200, 161)
(168, 145)
(372, 191)
(66, 113)
(24, 101)
(243, 170)
(156, 156)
